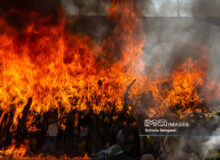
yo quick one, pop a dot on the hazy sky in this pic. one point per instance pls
(167, 8)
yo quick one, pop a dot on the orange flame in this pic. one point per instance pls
(66, 71)
(179, 91)
(14, 152)
(20, 153)
(60, 70)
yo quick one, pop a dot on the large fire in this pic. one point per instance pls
(52, 69)
(62, 71)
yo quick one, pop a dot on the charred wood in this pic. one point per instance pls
(5, 125)
(21, 129)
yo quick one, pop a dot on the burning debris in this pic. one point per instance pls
(64, 94)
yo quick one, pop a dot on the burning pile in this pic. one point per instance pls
(44, 68)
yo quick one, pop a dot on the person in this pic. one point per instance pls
(51, 135)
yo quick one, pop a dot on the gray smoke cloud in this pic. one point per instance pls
(170, 38)
(85, 7)
(204, 8)
(96, 7)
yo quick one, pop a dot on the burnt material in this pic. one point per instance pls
(5, 125)
(21, 129)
